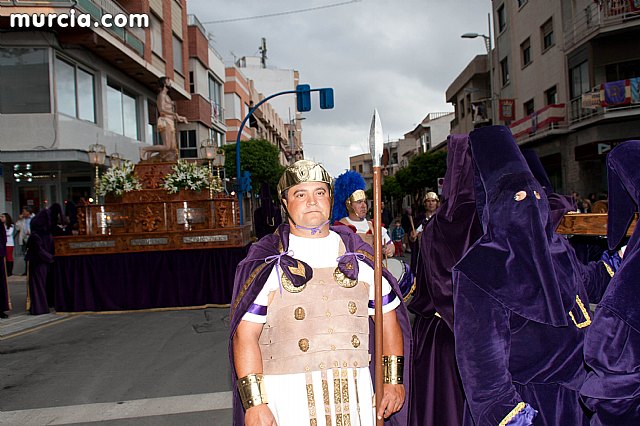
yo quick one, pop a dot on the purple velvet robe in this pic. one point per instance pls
(437, 397)
(5, 303)
(520, 297)
(40, 256)
(612, 345)
(251, 275)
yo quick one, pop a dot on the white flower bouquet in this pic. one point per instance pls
(119, 180)
(186, 175)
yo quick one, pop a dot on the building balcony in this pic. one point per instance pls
(551, 119)
(595, 19)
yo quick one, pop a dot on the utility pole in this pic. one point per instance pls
(263, 52)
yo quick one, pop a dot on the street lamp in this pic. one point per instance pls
(487, 45)
(115, 160)
(97, 154)
(214, 156)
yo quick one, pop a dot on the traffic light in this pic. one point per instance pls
(326, 98)
(303, 97)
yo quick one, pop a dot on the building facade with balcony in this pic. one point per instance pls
(65, 88)
(557, 77)
(240, 94)
(205, 110)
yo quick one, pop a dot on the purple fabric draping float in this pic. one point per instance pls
(146, 280)
(612, 345)
(437, 397)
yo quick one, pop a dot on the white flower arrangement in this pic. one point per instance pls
(186, 175)
(119, 180)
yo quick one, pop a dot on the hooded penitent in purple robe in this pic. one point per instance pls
(5, 302)
(40, 256)
(267, 217)
(612, 345)
(520, 302)
(252, 273)
(437, 397)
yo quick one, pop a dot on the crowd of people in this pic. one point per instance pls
(502, 330)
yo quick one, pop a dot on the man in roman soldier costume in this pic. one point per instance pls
(301, 320)
(350, 209)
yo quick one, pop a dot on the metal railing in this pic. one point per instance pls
(594, 17)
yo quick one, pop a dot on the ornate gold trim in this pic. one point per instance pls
(608, 268)
(343, 280)
(585, 313)
(288, 285)
(512, 414)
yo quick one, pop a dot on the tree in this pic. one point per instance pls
(257, 156)
(422, 173)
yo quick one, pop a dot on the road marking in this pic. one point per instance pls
(118, 410)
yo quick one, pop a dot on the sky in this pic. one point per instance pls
(398, 56)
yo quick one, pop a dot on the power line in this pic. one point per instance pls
(289, 12)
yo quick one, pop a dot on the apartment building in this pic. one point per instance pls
(65, 88)
(270, 80)
(240, 94)
(564, 80)
(205, 110)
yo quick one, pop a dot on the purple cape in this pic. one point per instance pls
(612, 345)
(439, 397)
(251, 275)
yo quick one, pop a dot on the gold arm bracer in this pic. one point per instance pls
(252, 391)
(392, 367)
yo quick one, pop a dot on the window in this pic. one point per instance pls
(24, 80)
(461, 108)
(579, 76)
(216, 136)
(156, 34)
(525, 52)
(215, 97)
(152, 129)
(551, 96)
(502, 19)
(546, 32)
(360, 168)
(192, 84)
(74, 91)
(177, 54)
(522, 3)
(188, 144)
(122, 111)
(504, 69)
(528, 108)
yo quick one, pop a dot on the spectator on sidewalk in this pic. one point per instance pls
(5, 301)
(397, 236)
(7, 221)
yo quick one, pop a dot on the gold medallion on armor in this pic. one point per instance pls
(299, 313)
(355, 342)
(303, 344)
(352, 307)
(288, 285)
(343, 280)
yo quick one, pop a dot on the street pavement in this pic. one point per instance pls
(142, 368)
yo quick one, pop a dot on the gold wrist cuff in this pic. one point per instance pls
(392, 367)
(252, 391)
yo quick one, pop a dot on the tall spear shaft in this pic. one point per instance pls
(376, 143)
